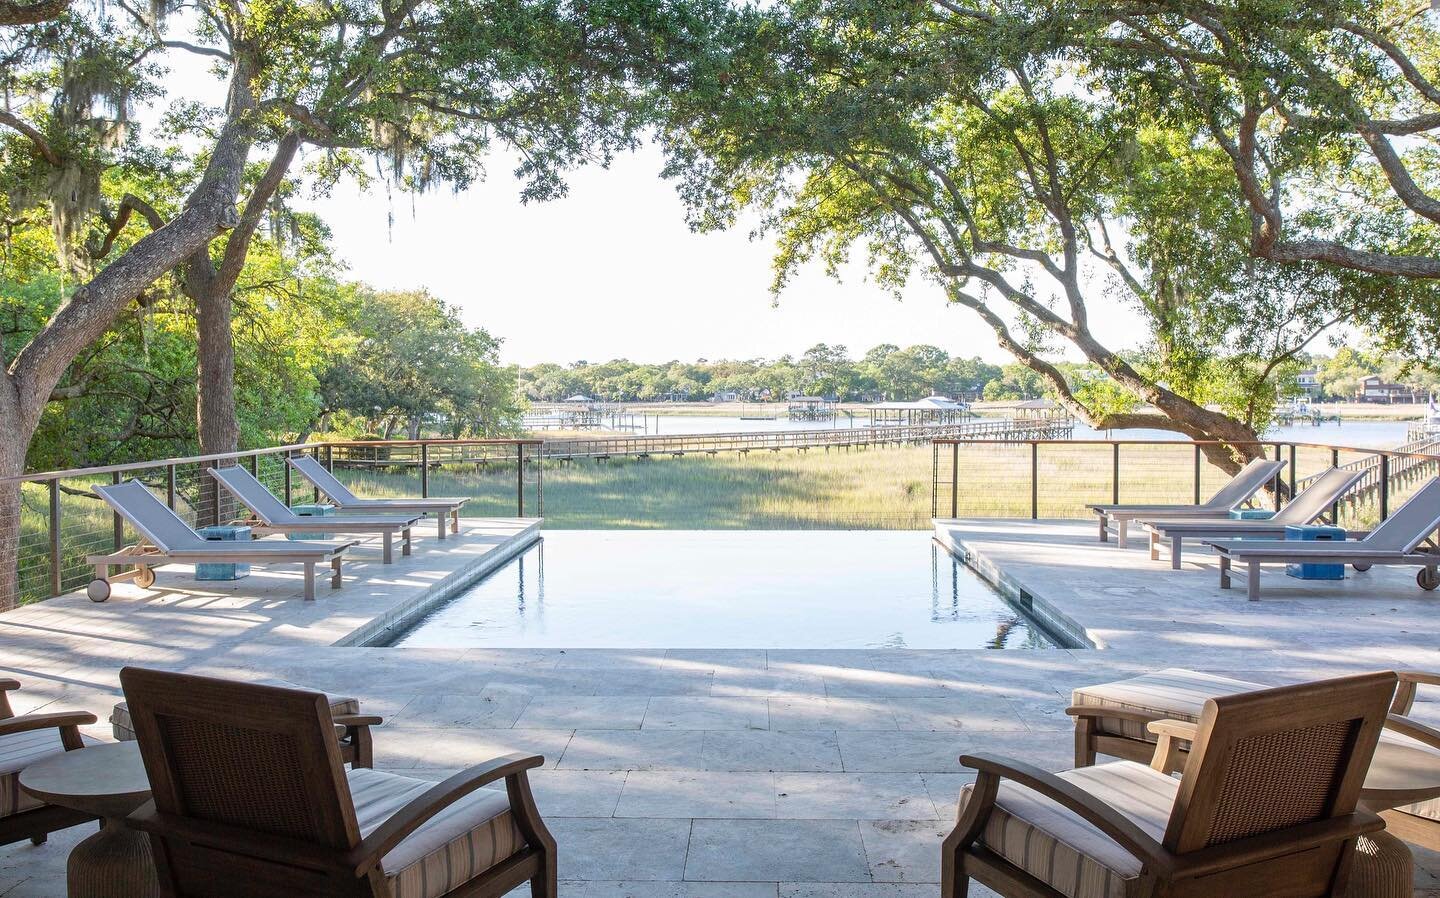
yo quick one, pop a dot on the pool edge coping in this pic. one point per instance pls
(379, 630)
(1008, 585)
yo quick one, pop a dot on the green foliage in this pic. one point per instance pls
(885, 372)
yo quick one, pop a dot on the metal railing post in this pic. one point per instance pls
(1197, 473)
(1034, 480)
(1335, 506)
(289, 486)
(954, 480)
(119, 524)
(1275, 483)
(1384, 486)
(424, 470)
(1115, 472)
(55, 537)
(170, 486)
(1292, 470)
(520, 478)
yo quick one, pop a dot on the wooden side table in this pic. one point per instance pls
(108, 781)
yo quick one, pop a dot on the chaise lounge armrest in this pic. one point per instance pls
(993, 768)
(1410, 683)
(412, 816)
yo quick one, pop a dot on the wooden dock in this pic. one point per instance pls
(601, 448)
(1416, 460)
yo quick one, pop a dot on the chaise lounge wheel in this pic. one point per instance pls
(144, 577)
(1427, 578)
(98, 590)
(1362, 567)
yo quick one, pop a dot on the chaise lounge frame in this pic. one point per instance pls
(1309, 505)
(349, 503)
(1404, 538)
(180, 543)
(268, 514)
(1245, 484)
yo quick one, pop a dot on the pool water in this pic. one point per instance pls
(730, 589)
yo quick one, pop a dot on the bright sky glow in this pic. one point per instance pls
(612, 271)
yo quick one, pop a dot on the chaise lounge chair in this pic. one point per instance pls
(273, 516)
(1310, 503)
(348, 502)
(28, 739)
(1229, 497)
(249, 791)
(166, 539)
(1397, 540)
(1266, 806)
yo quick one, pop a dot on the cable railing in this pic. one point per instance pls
(61, 519)
(1058, 478)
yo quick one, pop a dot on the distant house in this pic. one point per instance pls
(726, 396)
(1309, 382)
(1376, 389)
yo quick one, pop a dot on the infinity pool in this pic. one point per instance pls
(730, 589)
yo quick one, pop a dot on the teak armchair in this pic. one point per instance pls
(251, 799)
(1418, 824)
(1266, 806)
(24, 740)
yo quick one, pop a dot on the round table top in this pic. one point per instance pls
(1401, 773)
(107, 780)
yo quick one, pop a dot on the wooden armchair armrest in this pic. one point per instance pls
(357, 720)
(409, 818)
(1410, 683)
(1414, 729)
(67, 722)
(7, 684)
(28, 722)
(992, 768)
(1170, 734)
(1095, 712)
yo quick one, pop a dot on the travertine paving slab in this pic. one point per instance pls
(776, 850)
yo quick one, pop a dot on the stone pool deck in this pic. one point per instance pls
(693, 773)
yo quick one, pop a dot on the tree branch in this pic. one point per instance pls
(36, 138)
(13, 13)
(128, 203)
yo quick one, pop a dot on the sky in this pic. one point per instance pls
(612, 271)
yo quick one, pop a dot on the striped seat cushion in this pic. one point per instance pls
(450, 849)
(124, 729)
(1060, 849)
(18, 751)
(1174, 693)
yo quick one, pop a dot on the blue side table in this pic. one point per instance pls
(218, 570)
(1315, 571)
(311, 511)
(1251, 514)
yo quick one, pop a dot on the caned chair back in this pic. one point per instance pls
(1274, 759)
(242, 759)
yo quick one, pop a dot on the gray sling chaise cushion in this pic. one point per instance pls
(1310, 503)
(1232, 495)
(347, 501)
(277, 517)
(1396, 541)
(167, 538)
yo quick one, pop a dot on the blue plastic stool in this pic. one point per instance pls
(1315, 571)
(219, 570)
(311, 511)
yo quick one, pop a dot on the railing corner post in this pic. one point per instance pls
(56, 580)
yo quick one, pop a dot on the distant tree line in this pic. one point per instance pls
(886, 372)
